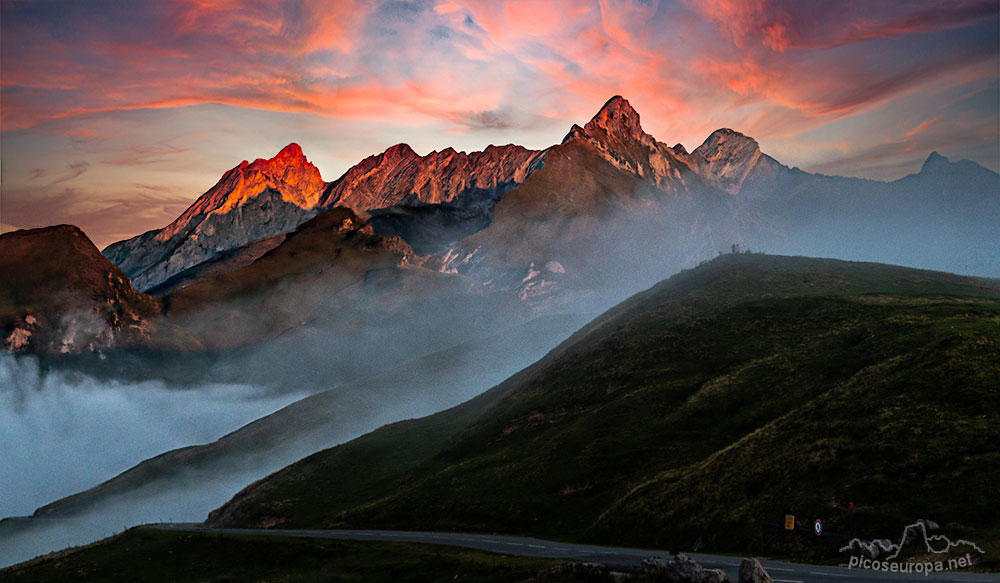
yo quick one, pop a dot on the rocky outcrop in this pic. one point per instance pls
(399, 176)
(58, 294)
(616, 133)
(751, 571)
(729, 159)
(681, 569)
(611, 204)
(252, 201)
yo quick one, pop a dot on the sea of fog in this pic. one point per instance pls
(61, 433)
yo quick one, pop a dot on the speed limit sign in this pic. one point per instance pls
(818, 527)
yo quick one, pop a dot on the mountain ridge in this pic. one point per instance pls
(251, 201)
(400, 176)
(605, 439)
(60, 294)
(730, 157)
(616, 132)
(726, 191)
(259, 199)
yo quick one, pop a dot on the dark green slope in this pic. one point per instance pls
(151, 556)
(721, 397)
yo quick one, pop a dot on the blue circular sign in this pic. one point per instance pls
(818, 527)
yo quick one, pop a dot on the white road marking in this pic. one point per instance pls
(536, 546)
(787, 580)
(830, 574)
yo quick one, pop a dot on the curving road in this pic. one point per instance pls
(613, 556)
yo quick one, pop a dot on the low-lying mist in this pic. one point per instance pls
(24, 538)
(62, 433)
(111, 425)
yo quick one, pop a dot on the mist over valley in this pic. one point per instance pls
(446, 283)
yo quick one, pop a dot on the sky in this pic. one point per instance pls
(115, 116)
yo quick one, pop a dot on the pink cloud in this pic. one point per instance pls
(780, 25)
(314, 57)
(771, 68)
(922, 127)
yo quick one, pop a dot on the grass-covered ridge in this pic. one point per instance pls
(717, 399)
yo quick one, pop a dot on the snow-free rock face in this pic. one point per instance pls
(729, 159)
(399, 176)
(619, 119)
(252, 201)
(263, 198)
(59, 294)
(289, 173)
(619, 138)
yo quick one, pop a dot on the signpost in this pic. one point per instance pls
(771, 531)
(789, 522)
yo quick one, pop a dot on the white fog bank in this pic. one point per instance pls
(63, 433)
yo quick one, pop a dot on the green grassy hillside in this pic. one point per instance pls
(722, 397)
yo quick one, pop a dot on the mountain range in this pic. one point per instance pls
(509, 232)
(266, 197)
(492, 214)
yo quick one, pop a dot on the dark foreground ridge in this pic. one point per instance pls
(613, 557)
(149, 553)
(688, 415)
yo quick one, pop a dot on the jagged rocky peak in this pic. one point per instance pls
(400, 176)
(617, 117)
(617, 120)
(399, 152)
(292, 151)
(727, 143)
(251, 201)
(289, 173)
(728, 158)
(289, 160)
(937, 166)
(298, 179)
(617, 135)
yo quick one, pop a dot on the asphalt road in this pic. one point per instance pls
(613, 556)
